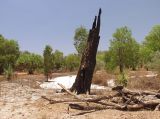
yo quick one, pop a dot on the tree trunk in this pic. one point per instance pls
(121, 60)
(83, 80)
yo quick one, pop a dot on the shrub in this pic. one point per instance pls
(58, 60)
(154, 64)
(72, 62)
(8, 72)
(29, 62)
(122, 79)
(48, 62)
(9, 52)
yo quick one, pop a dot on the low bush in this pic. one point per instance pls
(122, 79)
(8, 72)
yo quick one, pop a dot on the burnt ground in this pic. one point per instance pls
(21, 98)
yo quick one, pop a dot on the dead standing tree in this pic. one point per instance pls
(83, 80)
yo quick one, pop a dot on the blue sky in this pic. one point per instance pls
(36, 23)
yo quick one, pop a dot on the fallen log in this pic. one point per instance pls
(127, 91)
(125, 99)
(134, 107)
(130, 92)
(152, 102)
(113, 105)
(96, 100)
(52, 101)
(85, 107)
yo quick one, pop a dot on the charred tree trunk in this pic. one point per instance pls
(83, 80)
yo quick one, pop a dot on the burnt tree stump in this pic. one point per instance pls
(83, 80)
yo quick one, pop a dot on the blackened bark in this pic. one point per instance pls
(83, 80)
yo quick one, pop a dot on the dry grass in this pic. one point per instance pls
(136, 79)
(144, 83)
(101, 77)
(1, 77)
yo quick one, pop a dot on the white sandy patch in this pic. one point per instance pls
(111, 82)
(67, 81)
(151, 75)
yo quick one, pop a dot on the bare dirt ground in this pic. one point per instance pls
(21, 99)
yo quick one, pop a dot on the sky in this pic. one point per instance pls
(37, 23)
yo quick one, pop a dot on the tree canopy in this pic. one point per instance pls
(58, 60)
(9, 52)
(80, 39)
(152, 40)
(154, 63)
(123, 51)
(72, 62)
(29, 62)
(48, 61)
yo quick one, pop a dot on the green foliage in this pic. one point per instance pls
(8, 71)
(9, 52)
(100, 60)
(154, 64)
(122, 79)
(58, 60)
(80, 38)
(145, 55)
(120, 39)
(150, 48)
(132, 54)
(72, 62)
(123, 52)
(110, 60)
(48, 60)
(152, 40)
(29, 62)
